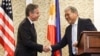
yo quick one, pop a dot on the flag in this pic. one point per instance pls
(54, 34)
(6, 28)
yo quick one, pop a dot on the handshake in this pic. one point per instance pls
(46, 48)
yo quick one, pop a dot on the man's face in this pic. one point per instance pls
(35, 14)
(69, 16)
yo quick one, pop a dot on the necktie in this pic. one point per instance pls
(32, 25)
(33, 28)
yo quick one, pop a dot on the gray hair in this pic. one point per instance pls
(73, 9)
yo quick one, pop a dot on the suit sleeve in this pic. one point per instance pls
(25, 39)
(61, 44)
(90, 25)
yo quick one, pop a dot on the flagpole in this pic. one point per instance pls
(28, 2)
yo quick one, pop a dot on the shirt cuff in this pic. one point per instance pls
(50, 48)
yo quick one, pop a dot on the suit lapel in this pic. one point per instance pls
(32, 29)
(69, 34)
(79, 29)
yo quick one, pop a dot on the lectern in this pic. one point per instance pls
(89, 43)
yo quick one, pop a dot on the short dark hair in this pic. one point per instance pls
(30, 8)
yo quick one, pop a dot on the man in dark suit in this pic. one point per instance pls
(27, 37)
(73, 31)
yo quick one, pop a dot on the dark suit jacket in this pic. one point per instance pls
(27, 40)
(83, 25)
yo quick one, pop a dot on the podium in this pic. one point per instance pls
(89, 43)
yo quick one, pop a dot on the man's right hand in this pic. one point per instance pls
(46, 49)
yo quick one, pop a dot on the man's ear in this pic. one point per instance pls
(30, 13)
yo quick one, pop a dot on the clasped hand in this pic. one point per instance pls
(46, 49)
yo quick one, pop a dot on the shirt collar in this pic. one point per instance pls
(30, 20)
(76, 22)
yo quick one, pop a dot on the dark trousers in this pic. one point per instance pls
(73, 55)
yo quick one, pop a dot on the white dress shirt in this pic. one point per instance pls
(74, 35)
